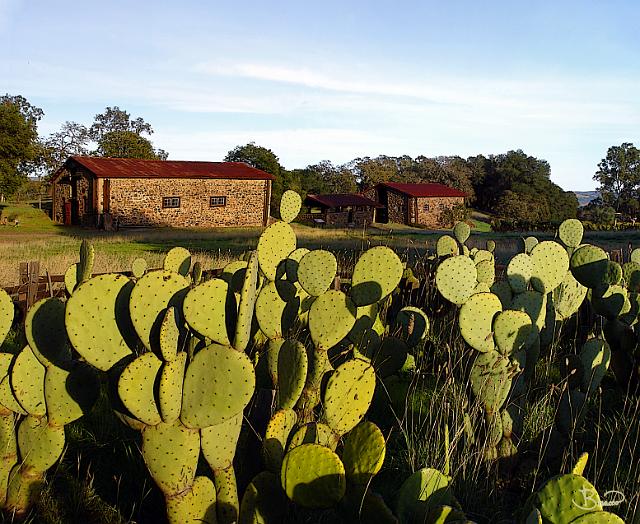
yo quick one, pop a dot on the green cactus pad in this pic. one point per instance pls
(550, 264)
(316, 271)
(290, 205)
(71, 278)
(491, 380)
(571, 410)
(476, 320)
(218, 385)
(447, 246)
(631, 275)
(466, 251)
(45, 331)
(348, 395)
(481, 255)
(461, 231)
(292, 373)
(247, 304)
(565, 498)
(589, 265)
(570, 232)
(219, 442)
(85, 266)
(197, 505)
(388, 356)
(412, 325)
(170, 388)
(274, 246)
(456, 278)
(69, 394)
(263, 501)
(9, 447)
(278, 431)
(486, 272)
(138, 267)
(178, 260)
(422, 491)
(598, 517)
(292, 263)
(314, 433)
(136, 388)
(528, 244)
(27, 382)
(97, 318)
(151, 296)
(502, 289)
(233, 274)
(313, 476)
(169, 334)
(6, 314)
(366, 317)
(614, 273)
(210, 309)
(481, 287)
(40, 444)
(491, 246)
(568, 297)
(331, 318)
(23, 490)
(519, 271)
(376, 274)
(595, 356)
(610, 301)
(7, 398)
(532, 303)
(277, 308)
(512, 331)
(196, 273)
(364, 451)
(171, 452)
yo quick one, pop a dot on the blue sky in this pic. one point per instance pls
(338, 80)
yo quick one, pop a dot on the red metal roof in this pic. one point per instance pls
(424, 190)
(135, 168)
(342, 200)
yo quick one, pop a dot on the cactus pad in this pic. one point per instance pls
(170, 388)
(331, 318)
(570, 232)
(233, 274)
(599, 517)
(274, 246)
(348, 395)
(456, 278)
(247, 304)
(550, 264)
(40, 444)
(476, 320)
(595, 356)
(491, 380)
(278, 431)
(532, 303)
(486, 272)
(171, 452)
(45, 331)
(313, 476)
(565, 498)
(502, 289)
(71, 278)
(610, 301)
(589, 265)
(178, 260)
(447, 246)
(529, 243)
(6, 314)
(314, 433)
(316, 271)
(511, 331)
(376, 274)
(292, 373)
(290, 205)
(427, 488)
(364, 451)
(219, 442)
(263, 501)
(218, 385)
(461, 231)
(169, 334)
(7, 398)
(568, 297)
(277, 308)
(69, 394)
(97, 317)
(210, 309)
(412, 324)
(138, 267)
(27, 382)
(136, 388)
(292, 263)
(195, 506)
(152, 294)
(519, 271)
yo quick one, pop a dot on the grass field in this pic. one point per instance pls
(56, 247)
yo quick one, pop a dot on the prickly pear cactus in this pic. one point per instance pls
(376, 274)
(476, 320)
(461, 231)
(290, 205)
(178, 260)
(274, 246)
(6, 314)
(456, 278)
(316, 271)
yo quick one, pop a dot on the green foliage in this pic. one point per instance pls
(127, 144)
(619, 177)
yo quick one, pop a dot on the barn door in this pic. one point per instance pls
(106, 195)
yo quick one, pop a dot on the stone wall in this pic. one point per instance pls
(138, 202)
(430, 210)
(396, 211)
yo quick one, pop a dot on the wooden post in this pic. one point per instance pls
(34, 278)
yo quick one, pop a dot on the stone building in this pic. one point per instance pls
(414, 204)
(340, 210)
(111, 192)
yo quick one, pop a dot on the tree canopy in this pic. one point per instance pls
(619, 177)
(127, 144)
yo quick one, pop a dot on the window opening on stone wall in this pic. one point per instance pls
(217, 201)
(170, 202)
(425, 207)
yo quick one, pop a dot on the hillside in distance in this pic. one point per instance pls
(584, 197)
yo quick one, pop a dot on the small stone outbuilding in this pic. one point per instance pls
(111, 192)
(415, 204)
(341, 210)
